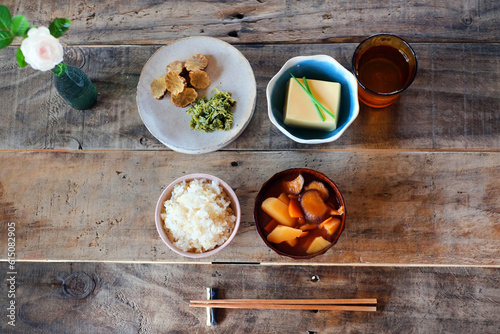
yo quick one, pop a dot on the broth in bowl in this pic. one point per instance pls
(299, 213)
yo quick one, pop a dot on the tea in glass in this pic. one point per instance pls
(384, 66)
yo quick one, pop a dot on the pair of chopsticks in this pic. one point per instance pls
(366, 304)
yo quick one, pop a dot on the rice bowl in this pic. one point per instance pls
(197, 215)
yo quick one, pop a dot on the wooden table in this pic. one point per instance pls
(420, 178)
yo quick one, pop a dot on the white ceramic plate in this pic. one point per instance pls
(229, 71)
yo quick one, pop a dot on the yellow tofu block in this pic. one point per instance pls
(300, 110)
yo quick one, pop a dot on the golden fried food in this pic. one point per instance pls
(175, 83)
(175, 66)
(184, 98)
(199, 79)
(182, 79)
(159, 88)
(196, 62)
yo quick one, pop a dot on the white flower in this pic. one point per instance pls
(42, 50)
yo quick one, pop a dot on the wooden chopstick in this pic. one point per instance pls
(291, 301)
(291, 307)
(366, 304)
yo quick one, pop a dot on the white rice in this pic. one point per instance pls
(198, 216)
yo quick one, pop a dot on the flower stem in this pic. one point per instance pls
(60, 69)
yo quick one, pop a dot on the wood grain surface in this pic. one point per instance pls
(452, 104)
(420, 178)
(146, 298)
(267, 21)
(402, 208)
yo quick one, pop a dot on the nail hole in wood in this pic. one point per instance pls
(467, 20)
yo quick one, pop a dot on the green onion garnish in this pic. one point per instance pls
(312, 97)
(315, 105)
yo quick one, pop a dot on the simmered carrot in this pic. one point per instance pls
(307, 227)
(331, 224)
(294, 209)
(270, 226)
(304, 233)
(336, 212)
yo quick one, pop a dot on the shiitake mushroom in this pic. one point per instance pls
(313, 206)
(319, 186)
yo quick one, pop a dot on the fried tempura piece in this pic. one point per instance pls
(159, 88)
(175, 83)
(199, 79)
(185, 98)
(196, 62)
(175, 66)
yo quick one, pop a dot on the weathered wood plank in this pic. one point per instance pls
(453, 103)
(410, 214)
(403, 208)
(135, 298)
(269, 21)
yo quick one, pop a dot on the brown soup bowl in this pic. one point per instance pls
(273, 188)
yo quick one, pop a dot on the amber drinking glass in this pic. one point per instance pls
(384, 66)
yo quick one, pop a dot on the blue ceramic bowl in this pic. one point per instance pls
(319, 67)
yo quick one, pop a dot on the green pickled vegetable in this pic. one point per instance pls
(212, 114)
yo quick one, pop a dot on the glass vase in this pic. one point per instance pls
(74, 86)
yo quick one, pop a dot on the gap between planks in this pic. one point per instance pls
(345, 150)
(272, 264)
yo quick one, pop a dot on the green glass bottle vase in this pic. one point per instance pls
(74, 86)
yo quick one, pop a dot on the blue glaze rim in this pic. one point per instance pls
(319, 67)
